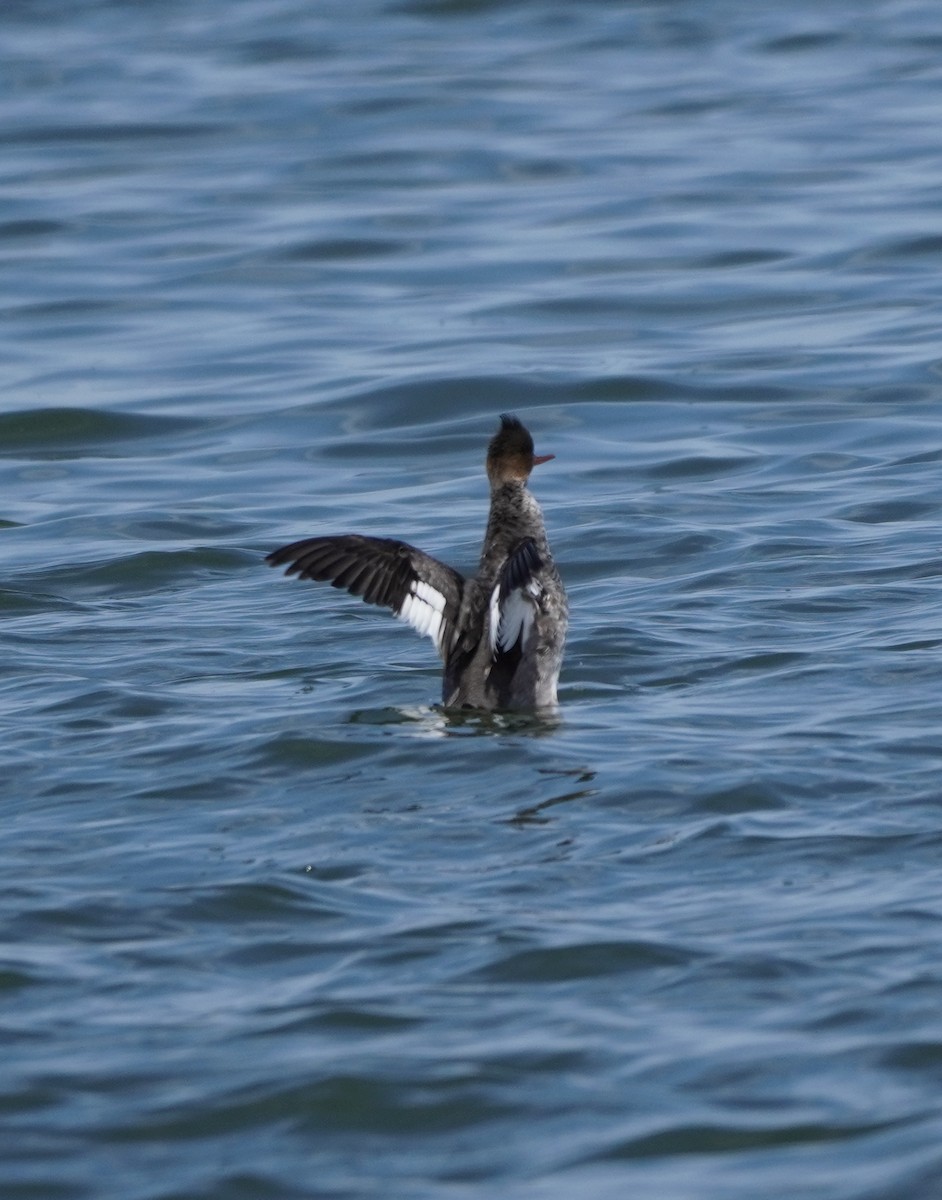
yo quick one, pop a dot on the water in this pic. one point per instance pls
(275, 926)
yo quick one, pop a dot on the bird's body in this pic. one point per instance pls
(500, 632)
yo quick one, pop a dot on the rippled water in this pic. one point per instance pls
(273, 925)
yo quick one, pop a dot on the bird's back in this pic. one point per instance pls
(512, 626)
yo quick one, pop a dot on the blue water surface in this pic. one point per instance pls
(274, 925)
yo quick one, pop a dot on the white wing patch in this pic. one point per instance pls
(513, 618)
(424, 610)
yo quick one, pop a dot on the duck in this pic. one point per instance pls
(500, 632)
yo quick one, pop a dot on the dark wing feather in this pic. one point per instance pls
(520, 567)
(418, 588)
(514, 599)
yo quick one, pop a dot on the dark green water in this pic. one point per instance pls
(272, 924)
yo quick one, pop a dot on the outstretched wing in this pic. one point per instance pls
(514, 599)
(419, 589)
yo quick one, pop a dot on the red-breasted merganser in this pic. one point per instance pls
(500, 633)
